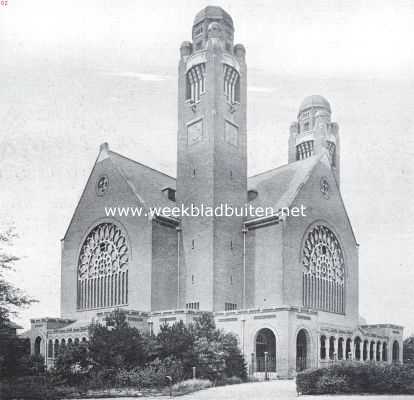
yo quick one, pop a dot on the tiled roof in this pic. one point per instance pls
(147, 183)
(278, 187)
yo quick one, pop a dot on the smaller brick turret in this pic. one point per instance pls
(313, 133)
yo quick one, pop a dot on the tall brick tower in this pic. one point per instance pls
(313, 132)
(212, 161)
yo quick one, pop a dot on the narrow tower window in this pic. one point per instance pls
(195, 81)
(231, 84)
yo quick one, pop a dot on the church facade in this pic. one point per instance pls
(286, 285)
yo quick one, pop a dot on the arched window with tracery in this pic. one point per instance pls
(196, 82)
(323, 271)
(103, 268)
(231, 84)
(304, 150)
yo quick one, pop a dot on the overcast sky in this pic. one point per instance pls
(74, 74)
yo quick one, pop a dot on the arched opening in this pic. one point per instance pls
(372, 351)
(56, 348)
(63, 344)
(331, 348)
(365, 350)
(378, 352)
(302, 348)
(50, 349)
(84, 339)
(37, 346)
(395, 352)
(348, 351)
(323, 348)
(76, 341)
(70, 341)
(357, 344)
(265, 351)
(384, 351)
(340, 349)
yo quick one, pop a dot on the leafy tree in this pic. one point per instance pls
(176, 341)
(210, 358)
(73, 363)
(218, 354)
(11, 298)
(116, 344)
(205, 327)
(15, 358)
(234, 360)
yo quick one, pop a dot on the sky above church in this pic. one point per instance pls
(74, 74)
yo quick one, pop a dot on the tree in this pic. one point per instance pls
(11, 298)
(73, 363)
(175, 341)
(116, 344)
(218, 354)
(234, 360)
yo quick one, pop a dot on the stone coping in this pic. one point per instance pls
(262, 310)
(389, 326)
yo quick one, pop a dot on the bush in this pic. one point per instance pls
(116, 344)
(190, 385)
(348, 377)
(232, 380)
(152, 375)
(73, 364)
(34, 388)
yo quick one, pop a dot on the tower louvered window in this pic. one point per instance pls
(196, 82)
(231, 84)
(304, 150)
(331, 149)
(323, 271)
(103, 268)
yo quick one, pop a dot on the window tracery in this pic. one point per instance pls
(103, 268)
(323, 271)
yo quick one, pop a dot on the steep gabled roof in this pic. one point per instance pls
(147, 183)
(278, 187)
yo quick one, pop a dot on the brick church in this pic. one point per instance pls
(286, 286)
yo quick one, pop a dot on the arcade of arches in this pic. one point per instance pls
(51, 350)
(331, 349)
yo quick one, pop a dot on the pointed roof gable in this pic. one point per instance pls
(278, 187)
(146, 183)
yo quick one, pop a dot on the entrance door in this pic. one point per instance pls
(265, 351)
(301, 350)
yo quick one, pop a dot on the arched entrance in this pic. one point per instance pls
(395, 352)
(302, 348)
(37, 346)
(265, 351)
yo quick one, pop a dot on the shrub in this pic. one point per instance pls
(190, 385)
(116, 344)
(152, 375)
(73, 364)
(232, 380)
(348, 377)
(33, 388)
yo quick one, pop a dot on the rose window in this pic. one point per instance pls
(324, 271)
(103, 268)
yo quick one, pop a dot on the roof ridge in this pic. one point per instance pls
(283, 166)
(141, 164)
